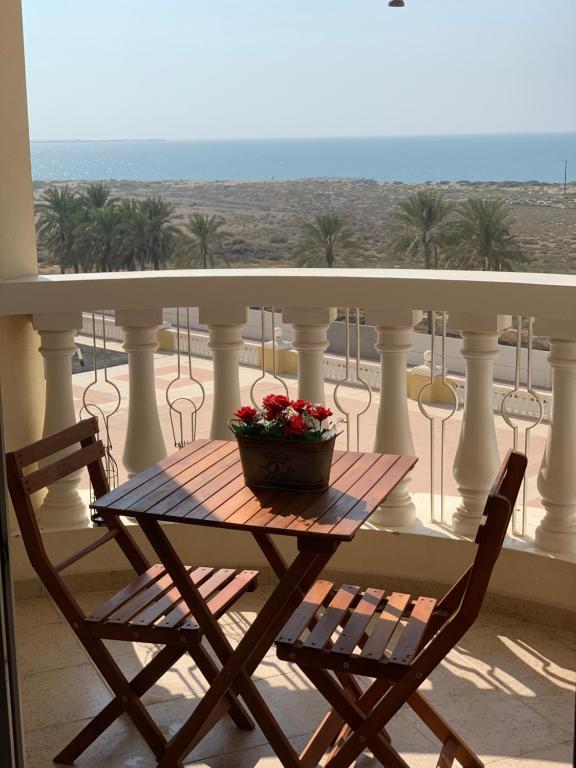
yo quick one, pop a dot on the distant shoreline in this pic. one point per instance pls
(510, 184)
(311, 138)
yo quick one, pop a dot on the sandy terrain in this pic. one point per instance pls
(264, 217)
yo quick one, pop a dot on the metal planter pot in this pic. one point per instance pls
(297, 465)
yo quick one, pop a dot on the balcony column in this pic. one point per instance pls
(144, 441)
(225, 328)
(394, 330)
(63, 506)
(477, 460)
(21, 369)
(557, 477)
(310, 341)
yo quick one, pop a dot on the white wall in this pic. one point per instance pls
(504, 367)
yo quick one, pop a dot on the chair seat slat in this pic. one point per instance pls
(163, 606)
(385, 626)
(181, 612)
(358, 621)
(136, 586)
(231, 591)
(331, 617)
(142, 600)
(407, 645)
(305, 612)
(216, 582)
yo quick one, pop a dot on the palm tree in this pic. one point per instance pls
(96, 195)
(60, 212)
(161, 231)
(148, 233)
(328, 238)
(100, 238)
(202, 241)
(135, 245)
(481, 237)
(420, 223)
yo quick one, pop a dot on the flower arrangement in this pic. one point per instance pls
(284, 419)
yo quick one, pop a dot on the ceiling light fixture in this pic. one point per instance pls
(396, 4)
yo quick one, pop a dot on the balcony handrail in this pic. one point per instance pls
(507, 293)
(477, 305)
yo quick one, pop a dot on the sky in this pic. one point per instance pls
(186, 69)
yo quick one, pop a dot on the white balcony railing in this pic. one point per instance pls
(478, 307)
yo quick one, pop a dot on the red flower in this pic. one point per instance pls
(274, 405)
(247, 415)
(300, 406)
(296, 426)
(320, 413)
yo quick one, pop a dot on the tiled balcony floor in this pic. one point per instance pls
(508, 689)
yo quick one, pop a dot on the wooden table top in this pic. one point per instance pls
(203, 484)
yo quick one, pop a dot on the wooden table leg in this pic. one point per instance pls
(240, 663)
(210, 670)
(331, 725)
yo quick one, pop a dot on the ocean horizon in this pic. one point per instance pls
(405, 159)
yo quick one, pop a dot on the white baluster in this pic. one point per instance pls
(63, 506)
(394, 330)
(225, 327)
(477, 460)
(310, 341)
(557, 476)
(144, 444)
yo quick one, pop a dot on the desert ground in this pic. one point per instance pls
(264, 218)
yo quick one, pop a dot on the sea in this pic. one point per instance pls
(408, 159)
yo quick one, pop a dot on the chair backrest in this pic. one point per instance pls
(491, 532)
(458, 609)
(72, 449)
(466, 597)
(506, 487)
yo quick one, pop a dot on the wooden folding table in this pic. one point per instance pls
(202, 484)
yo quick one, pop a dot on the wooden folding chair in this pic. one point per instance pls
(396, 640)
(148, 610)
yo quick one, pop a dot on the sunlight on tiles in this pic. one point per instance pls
(508, 688)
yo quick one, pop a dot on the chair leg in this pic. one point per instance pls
(330, 730)
(440, 728)
(447, 755)
(366, 730)
(345, 732)
(350, 712)
(131, 703)
(325, 735)
(141, 683)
